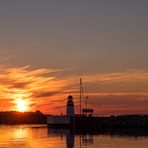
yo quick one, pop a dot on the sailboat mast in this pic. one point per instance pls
(80, 93)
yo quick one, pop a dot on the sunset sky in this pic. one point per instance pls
(46, 46)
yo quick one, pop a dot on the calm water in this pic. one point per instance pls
(39, 136)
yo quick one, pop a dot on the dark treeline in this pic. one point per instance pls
(14, 117)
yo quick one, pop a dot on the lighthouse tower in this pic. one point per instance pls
(70, 107)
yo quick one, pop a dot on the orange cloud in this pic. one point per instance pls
(32, 85)
(46, 90)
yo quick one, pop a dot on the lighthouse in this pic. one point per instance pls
(70, 107)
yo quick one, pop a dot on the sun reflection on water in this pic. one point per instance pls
(20, 134)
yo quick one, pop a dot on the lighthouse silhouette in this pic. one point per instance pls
(70, 107)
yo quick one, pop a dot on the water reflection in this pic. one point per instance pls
(33, 136)
(69, 134)
(20, 133)
(84, 139)
(86, 135)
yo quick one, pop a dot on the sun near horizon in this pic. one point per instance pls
(21, 106)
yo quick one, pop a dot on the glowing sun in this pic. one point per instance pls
(21, 105)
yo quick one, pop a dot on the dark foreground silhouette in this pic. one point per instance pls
(112, 121)
(14, 117)
(81, 122)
